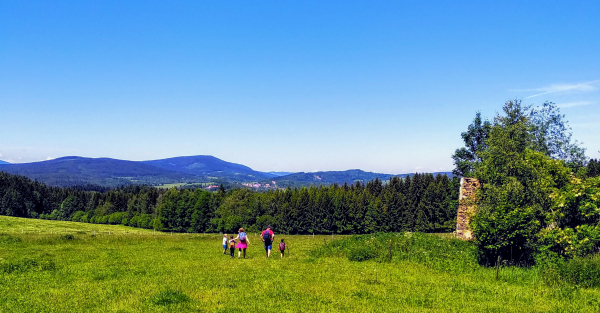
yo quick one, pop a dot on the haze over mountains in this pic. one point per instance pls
(107, 172)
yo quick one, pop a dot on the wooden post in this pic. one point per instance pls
(331, 236)
(497, 267)
(324, 241)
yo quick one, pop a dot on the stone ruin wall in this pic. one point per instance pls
(466, 208)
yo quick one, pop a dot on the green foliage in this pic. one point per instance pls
(578, 271)
(77, 216)
(117, 218)
(466, 158)
(581, 271)
(546, 131)
(593, 168)
(552, 136)
(573, 220)
(529, 201)
(515, 194)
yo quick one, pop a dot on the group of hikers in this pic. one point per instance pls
(241, 243)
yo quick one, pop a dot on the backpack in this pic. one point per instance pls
(281, 246)
(267, 236)
(232, 244)
(243, 236)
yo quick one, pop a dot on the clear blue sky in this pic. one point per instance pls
(384, 86)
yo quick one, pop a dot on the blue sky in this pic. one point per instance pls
(384, 86)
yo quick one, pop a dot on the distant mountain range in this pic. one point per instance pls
(339, 177)
(70, 171)
(329, 177)
(277, 174)
(3, 162)
(74, 170)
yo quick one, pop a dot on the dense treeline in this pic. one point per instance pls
(418, 203)
(422, 202)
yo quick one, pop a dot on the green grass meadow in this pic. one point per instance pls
(52, 266)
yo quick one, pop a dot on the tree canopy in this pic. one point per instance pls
(531, 201)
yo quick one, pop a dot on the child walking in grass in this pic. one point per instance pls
(282, 247)
(225, 244)
(231, 246)
(243, 243)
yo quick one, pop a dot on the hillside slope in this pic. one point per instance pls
(329, 177)
(338, 177)
(209, 166)
(69, 171)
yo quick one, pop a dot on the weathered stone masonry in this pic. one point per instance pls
(466, 207)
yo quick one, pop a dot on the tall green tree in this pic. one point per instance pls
(467, 157)
(517, 182)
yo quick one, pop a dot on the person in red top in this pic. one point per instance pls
(267, 236)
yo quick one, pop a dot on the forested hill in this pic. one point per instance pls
(3, 162)
(71, 171)
(337, 177)
(207, 165)
(106, 172)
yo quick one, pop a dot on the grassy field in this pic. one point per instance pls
(50, 266)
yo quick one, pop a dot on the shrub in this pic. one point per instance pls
(361, 253)
(76, 217)
(145, 221)
(116, 218)
(584, 271)
(134, 221)
(54, 215)
(157, 224)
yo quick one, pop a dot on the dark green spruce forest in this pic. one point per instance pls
(422, 202)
